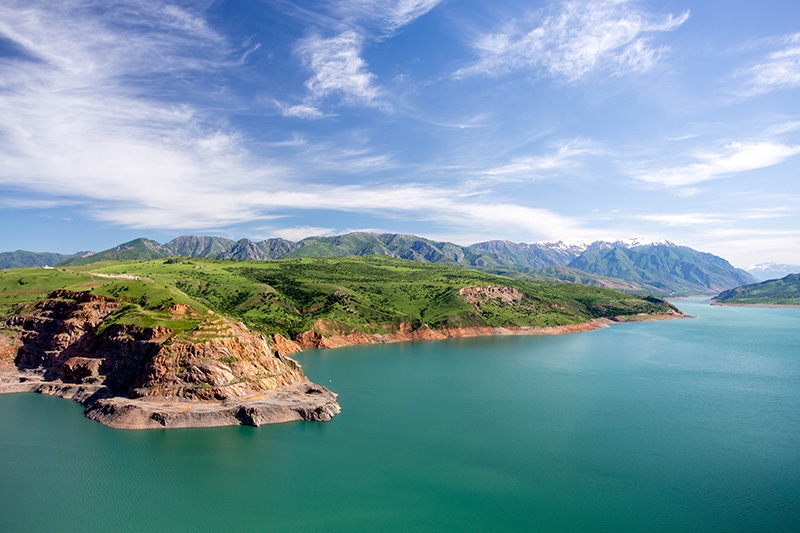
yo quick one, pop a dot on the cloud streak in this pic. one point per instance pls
(737, 157)
(573, 39)
(535, 167)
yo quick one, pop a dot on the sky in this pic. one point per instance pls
(457, 120)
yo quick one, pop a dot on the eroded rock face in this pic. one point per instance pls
(59, 328)
(507, 295)
(233, 366)
(130, 371)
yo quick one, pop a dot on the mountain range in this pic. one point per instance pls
(660, 268)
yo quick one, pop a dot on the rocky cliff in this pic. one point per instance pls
(133, 377)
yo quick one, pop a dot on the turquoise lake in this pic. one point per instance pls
(684, 425)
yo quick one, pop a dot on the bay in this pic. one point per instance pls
(677, 425)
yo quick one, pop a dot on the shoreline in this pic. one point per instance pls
(303, 401)
(313, 339)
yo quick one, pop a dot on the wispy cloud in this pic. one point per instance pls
(779, 70)
(306, 111)
(572, 39)
(388, 15)
(297, 140)
(534, 167)
(734, 158)
(75, 132)
(685, 219)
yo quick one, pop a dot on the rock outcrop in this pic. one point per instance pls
(133, 377)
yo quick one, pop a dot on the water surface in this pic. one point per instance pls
(678, 425)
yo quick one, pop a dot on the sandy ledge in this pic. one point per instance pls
(304, 401)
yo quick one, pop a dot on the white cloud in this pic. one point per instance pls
(573, 39)
(338, 68)
(779, 70)
(735, 158)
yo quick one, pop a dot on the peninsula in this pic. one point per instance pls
(188, 342)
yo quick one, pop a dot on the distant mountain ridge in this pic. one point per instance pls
(662, 268)
(767, 271)
(26, 259)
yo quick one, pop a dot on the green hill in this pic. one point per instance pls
(785, 291)
(24, 258)
(372, 294)
(137, 249)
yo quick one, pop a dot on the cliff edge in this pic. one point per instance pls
(135, 377)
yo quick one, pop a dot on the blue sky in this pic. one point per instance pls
(457, 120)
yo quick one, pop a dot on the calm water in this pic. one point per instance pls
(680, 425)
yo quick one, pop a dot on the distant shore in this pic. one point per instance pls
(763, 306)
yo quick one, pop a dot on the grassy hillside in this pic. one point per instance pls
(785, 291)
(370, 294)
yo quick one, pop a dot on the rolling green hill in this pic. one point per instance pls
(374, 294)
(784, 291)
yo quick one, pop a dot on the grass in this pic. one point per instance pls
(373, 294)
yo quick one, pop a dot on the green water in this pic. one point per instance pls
(679, 425)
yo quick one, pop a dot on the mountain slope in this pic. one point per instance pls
(533, 255)
(663, 268)
(191, 246)
(784, 291)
